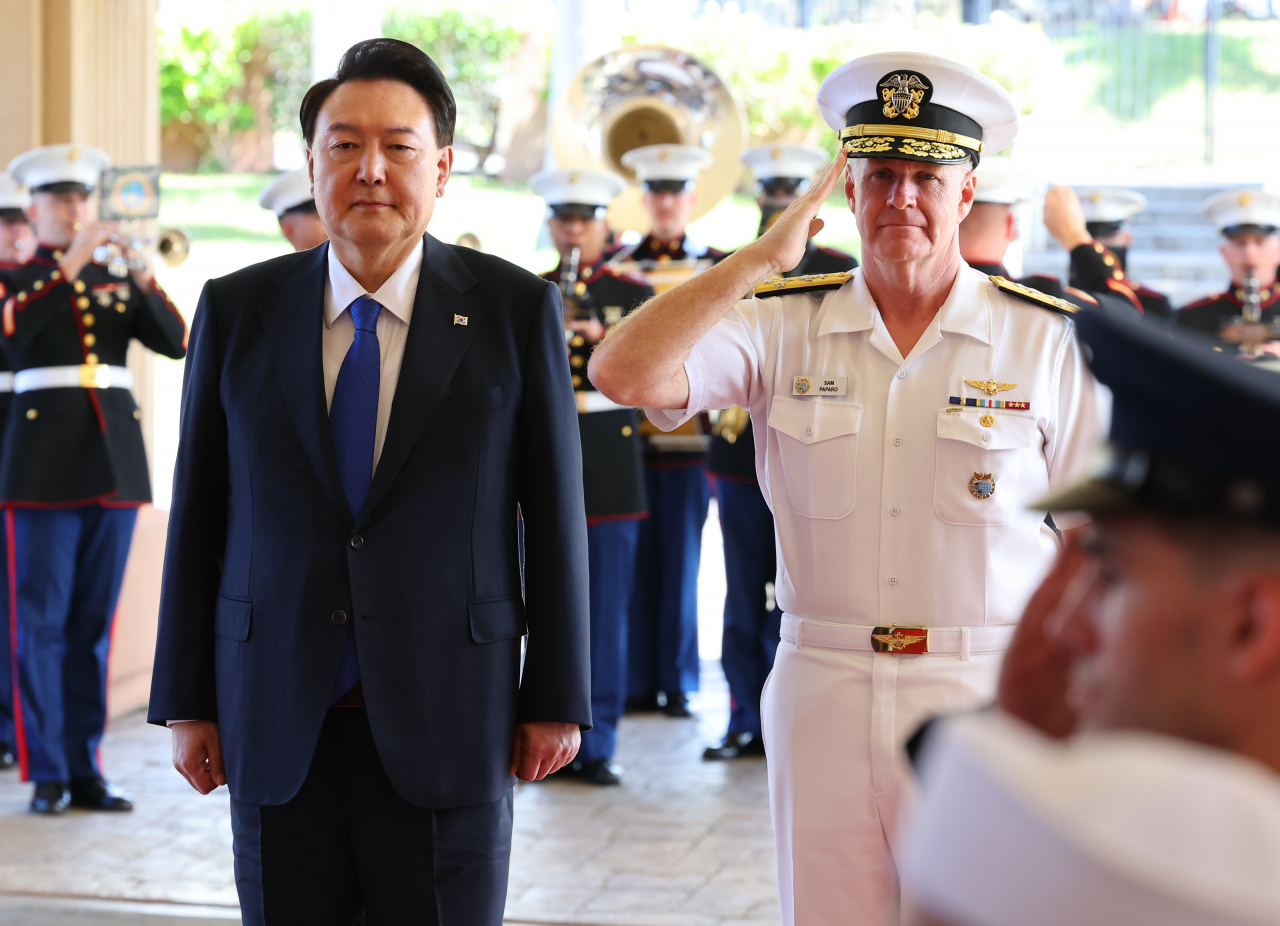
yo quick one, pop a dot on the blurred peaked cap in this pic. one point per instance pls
(74, 164)
(1110, 204)
(1194, 431)
(285, 191)
(1001, 180)
(579, 186)
(950, 97)
(1242, 207)
(789, 162)
(1108, 829)
(13, 195)
(667, 162)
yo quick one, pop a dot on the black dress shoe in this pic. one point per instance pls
(677, 705)
(735, 746)
(51, 797)
(99, 794)
(596, 772)
(7, 758)
(641, 704)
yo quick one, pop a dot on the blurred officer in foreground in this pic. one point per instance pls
(991, 227)
(669, 174)
(1155, 645)
(1093, 228)
(289, 197)
(17, 236)
(907, 413)
(595, 299)
(751, 614)
(1248, 221)
(73, 471)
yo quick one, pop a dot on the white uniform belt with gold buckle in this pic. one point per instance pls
(589, 401)
(897, 640)
(82, 376)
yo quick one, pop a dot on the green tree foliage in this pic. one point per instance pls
(200, 76)
(472, 51)
(283, 42)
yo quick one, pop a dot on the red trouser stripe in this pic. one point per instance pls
(19, 729)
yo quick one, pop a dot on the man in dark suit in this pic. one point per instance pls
(364, 424)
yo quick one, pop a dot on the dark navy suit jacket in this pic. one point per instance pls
(262, 549)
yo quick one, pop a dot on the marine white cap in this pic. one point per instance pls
(1110, 204)
(59, 164)
(1232, 208)
(667, 162)
(789, 162)
(286, 191)
(578, 187)
(1003, 181)
(899, 98)
(13, 196)
(1108, 829)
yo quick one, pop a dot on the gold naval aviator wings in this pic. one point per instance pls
(1034, 296)
(811, 283)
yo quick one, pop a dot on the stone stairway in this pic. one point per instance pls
(1174, 249)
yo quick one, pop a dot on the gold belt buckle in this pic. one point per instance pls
(900, 641)
(95, 375)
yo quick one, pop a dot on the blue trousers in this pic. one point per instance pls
(7, 734)
(751, 628)
(611, 552)
(663, 654)
(65, 576)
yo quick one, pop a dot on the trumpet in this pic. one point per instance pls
(124, 253)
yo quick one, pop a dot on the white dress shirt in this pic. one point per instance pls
(870, 490)
(396, 297)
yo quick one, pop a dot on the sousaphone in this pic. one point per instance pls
(649, 95)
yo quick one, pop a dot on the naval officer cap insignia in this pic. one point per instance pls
(578, 192)
(667, 168)
(792, 166)
(60, 168)
(1161, 379)
(917, 107)
(1243, 212)
(288, 192)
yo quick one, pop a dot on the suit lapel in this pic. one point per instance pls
(294, 320)
(433, 349)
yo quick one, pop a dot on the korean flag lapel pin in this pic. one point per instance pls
(460, 320)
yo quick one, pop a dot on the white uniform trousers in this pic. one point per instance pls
(835, 724)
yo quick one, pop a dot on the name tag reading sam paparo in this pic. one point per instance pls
(820, 385)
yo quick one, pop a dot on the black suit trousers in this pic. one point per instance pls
(347, 842)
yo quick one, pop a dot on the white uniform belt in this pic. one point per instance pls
(962, 641)
(83, 376)
(6, 382)
(589, 401)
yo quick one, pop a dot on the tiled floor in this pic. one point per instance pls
(680, 843)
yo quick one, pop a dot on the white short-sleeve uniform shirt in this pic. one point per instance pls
(876, 484)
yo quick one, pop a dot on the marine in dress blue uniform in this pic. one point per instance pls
(752, 617)
(1100, 262)
(668, 174)
(72, 474)
(596, 298)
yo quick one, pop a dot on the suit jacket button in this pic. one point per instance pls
(357, 542)
(338, 617)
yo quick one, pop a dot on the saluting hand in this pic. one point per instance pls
(784, 243)
(1064, 218)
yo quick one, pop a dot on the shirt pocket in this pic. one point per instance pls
(817, 446)
(968, 452)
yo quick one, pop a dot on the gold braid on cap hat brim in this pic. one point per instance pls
(884, 133)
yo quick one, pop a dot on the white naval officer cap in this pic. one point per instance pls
(287, 191)
(1110, 204)
(13, 195)
(667, 166)
(785, 162)
(1237, 212)
(60, 168)
(1003, 181)
(917, 107)
(1108, 829)
(578, 191)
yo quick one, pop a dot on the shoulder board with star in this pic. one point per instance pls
(1034, 296)
(813, 283)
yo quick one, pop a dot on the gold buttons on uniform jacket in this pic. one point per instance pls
(577, 381)
(88, 319)
(32, 414)
(90, 340)
(90, 358)
(577, 341)
(575, 361)
(56, 275)
(120, 307)
(137, 414)
(1118, 274)
(626, 430)
(78, 286)
(38, 285)
(82, 302)
(1108, 260)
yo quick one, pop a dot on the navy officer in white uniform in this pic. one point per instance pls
(908, 412)
(289, 196)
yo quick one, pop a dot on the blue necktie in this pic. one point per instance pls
(353, 424)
